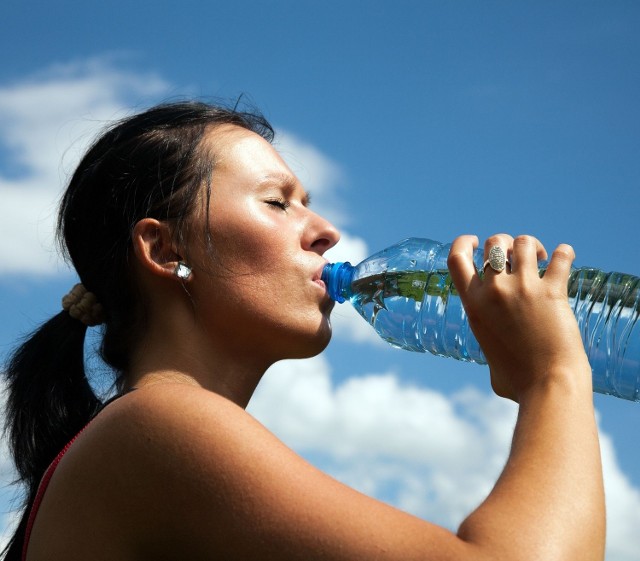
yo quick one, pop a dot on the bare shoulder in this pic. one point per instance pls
(203, 431)
(170, 410)
(174, 431)
(137, 474)
(198, 477)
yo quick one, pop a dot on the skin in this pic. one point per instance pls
(178, 469)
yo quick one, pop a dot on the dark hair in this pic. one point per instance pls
(152, 164)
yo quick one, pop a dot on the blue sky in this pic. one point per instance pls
(403, 118)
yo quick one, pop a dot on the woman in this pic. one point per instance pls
(197, 250)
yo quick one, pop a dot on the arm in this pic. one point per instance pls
(549, 498)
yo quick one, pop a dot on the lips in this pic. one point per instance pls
(317, 277)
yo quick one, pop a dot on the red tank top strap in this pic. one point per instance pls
(44, 483)
(48, 474)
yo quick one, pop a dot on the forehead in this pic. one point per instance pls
(234, 148)
(243, 160)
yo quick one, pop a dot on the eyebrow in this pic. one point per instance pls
(287, 182)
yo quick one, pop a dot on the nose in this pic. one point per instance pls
(321, 234)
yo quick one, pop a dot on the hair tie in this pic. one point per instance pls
(83, 306)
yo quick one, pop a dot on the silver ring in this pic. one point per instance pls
(497, 260)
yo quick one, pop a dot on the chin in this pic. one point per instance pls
(312, 345)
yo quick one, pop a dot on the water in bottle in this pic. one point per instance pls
(406, 293)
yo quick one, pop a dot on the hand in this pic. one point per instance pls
(523, 323)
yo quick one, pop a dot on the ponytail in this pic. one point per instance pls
(49, 400)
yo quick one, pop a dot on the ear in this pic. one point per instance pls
(154, 248)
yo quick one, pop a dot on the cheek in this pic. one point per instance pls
(242, 255)
(248, 243)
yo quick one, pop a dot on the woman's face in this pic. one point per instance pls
(258, 285)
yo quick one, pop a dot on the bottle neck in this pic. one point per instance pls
(337, 278)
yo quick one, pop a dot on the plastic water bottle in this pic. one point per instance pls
(406, 293)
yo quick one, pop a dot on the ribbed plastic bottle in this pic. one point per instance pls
(405, 292)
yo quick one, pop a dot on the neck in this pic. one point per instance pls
(173, 352)
(231, 381)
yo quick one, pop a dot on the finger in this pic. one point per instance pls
(526, 253)
(460, 262)
(560, 265)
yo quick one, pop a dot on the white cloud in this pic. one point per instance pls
(430, 454)
(8, 519)
(46, 122)
(434, 455)
(623, 507)
(8, 523)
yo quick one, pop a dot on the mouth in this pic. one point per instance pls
(327, 303)
(317, 278)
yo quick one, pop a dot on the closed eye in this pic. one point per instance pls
(282, 204)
